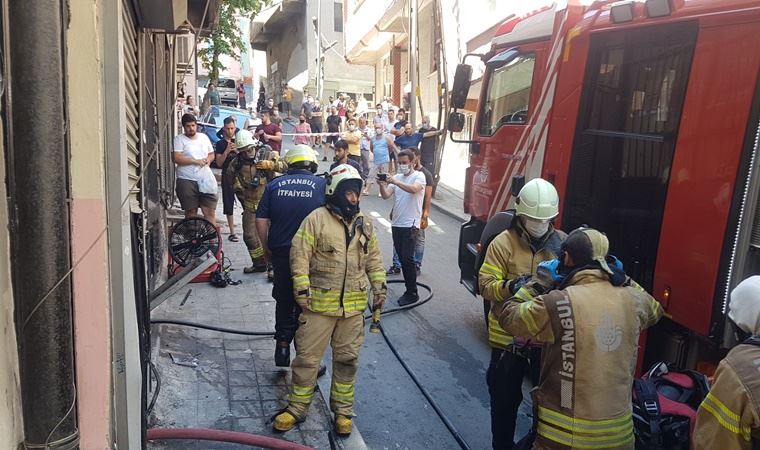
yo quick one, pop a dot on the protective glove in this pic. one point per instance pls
(516, 283)
(378, 302)
(303, 302)
(265, 165)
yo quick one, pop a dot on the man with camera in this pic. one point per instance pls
(408, 191)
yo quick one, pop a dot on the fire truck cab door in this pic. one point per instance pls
(505, 117)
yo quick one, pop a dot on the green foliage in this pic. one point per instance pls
(227, 38)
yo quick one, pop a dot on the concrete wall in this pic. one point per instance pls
(11, 430)
(92, 327)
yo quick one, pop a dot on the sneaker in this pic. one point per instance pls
(322, 370)
(343, 424)
(393, 270)
(270, 273)
(408, 299)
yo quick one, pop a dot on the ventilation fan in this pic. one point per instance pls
(192, 238)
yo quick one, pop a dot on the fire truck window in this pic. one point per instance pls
(631, 106)
(508, 95)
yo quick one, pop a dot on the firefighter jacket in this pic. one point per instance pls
(729, 417)
(510, 255)
(332, 261)
(248, 182)
(590, 332)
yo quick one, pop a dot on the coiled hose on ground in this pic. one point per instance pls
(273, 443)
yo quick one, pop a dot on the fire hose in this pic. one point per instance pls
(272, 443)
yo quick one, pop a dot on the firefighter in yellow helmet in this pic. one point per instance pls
(250, 170)
(334, 260)
(729, 417)
(589, 326)
(511, 259)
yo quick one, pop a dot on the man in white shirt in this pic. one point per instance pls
(408, 191)
(192, 154)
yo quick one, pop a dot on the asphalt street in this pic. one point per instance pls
(443, 341)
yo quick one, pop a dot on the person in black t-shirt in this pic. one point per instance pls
(428, 145)
(224, 150)
(334, 123)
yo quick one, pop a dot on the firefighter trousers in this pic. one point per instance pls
(251, 238)
(315, 331)
(286, 309)
(505, 376)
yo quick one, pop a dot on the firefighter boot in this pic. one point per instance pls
(282, 354)
(343, 424)
(284, 421)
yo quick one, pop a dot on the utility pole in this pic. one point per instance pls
(413, 60)
(320, 52)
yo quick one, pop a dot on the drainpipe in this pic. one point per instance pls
(40, 233)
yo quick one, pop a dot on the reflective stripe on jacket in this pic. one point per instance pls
(331, 276)
(729, 417)
(590, 332)
(508, 256)
(242, 170)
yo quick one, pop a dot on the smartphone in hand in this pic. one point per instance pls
(382, 177)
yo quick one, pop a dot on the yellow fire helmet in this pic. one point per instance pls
(300, 153)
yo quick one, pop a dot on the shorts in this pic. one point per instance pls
(190, 198)
(316, 126)
(228, 195)
(333, 138)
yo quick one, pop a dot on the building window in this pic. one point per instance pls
(338, 17)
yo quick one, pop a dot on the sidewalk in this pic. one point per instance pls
(449, 201)
(234, 384)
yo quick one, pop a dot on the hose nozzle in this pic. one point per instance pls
(374, 327)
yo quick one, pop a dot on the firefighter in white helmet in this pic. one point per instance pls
(729, 417)
(589, 327)
(511, 259)
(250, 170)
(334, 259)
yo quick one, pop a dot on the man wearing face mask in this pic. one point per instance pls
(428, 145)
(353, 137)
(408, 191)
(511, 258)
(335, 260)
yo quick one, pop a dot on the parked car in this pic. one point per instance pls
(215, 118)
(227, 91)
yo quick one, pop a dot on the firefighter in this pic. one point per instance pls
(334, 254)
(589, 327)
(729, 417)
(510, 259)
(286, 201)
(250, 170)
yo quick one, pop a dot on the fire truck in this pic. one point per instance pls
(645, 116)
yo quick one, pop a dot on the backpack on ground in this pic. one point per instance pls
(665, 403)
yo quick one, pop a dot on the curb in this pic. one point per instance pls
(448, 212)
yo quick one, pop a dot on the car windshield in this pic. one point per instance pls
(227, 83)
(216, 116)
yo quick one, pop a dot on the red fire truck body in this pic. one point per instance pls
(647, 126)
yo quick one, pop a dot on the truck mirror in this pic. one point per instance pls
(456, 122)
(461, 85)
(518, 181)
